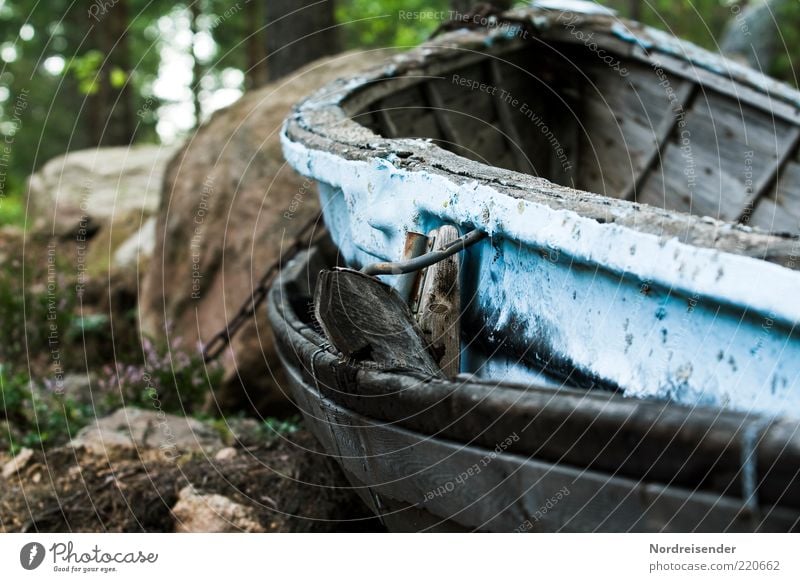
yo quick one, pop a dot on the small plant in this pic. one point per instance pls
(274, 427)
(169, 377)
(41, 416)
(36, 310)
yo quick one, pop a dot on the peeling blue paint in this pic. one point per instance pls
(563, 296)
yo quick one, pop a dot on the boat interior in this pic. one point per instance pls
(628, 129)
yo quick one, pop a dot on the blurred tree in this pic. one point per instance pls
(257, 71)
(197, 65)
(635, 9)
(786, 19)
(752, 33)
(110, 94)
(71, 78)
(298, 32)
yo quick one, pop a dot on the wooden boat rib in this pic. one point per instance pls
(628, 267)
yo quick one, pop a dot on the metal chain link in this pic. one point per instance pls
(223, 338)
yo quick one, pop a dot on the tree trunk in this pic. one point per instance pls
(257, 73)
(113, 112)
(752, 34)
(197, 67)
(635, 10)
(298, 33)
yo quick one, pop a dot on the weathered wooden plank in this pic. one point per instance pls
(721, 82)
(708, 167)
(620, 118)
(491, 490)
(411, 117)
(440, 112)
(779, 210)
(507, 124)
(440, 306)
(415, 245)
(404, 75)
(684, 95)
(388, 128)
(770, 177)
(367, 321)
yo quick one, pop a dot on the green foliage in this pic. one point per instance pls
(36, 309)
(12, 210)
(86, 69)
(699, 21)
(168, 378)
(267, 432)
(41, 417)
(279, 427)
(118, 77)
(170, 381)
(379, 24)
(788, 45)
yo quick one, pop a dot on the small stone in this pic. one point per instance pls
(17, 463)
(195, 513)
(225, 454)
(246, 432)
(103, 442)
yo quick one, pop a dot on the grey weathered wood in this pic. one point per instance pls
(779, 211)
(770, 177)
(388, 128)
(508, 491)
(507, 123)
(705, 171)
(440, 305)
(440, 111)
(414, 246)
(367, 321)
(685, 94)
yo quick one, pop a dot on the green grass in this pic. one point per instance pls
(12, 211)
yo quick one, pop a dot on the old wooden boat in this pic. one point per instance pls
(631, 308)
(429, 453)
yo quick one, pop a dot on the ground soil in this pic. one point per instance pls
(288, 484)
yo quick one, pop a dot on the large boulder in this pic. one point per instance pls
(229, 204)
(91, 188)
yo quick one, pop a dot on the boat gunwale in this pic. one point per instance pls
(392, 493)
(427, 405)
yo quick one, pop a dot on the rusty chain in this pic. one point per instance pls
(223, 338)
